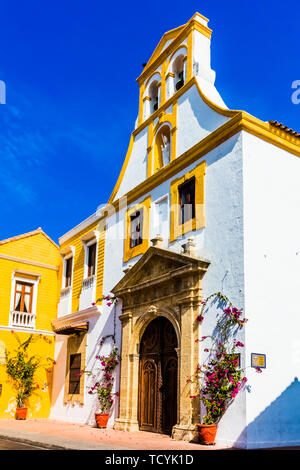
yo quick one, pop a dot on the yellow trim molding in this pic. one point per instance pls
(198, 221)
(26, 261)
(239, 121)
(160, 55)
(122, 173)
(157, 72)
(143, 247)
(189, 65)
(163, 118)
(171, 74)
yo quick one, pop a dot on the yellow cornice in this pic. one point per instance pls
(195, 153)
(28, 234)
(166, 37)
(267, 132)
(173, 33)
(241, 121)
(27, 261)
(119, 180)
(201, 16)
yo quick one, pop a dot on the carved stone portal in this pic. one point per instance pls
(161, 284)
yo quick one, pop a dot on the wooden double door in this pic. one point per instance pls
(158, 370)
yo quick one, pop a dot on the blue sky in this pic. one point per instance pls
(70, 69)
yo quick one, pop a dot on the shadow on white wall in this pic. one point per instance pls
(278, 424)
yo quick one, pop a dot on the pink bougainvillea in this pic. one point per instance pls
(220, 379)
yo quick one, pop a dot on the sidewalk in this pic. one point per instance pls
(69, 436)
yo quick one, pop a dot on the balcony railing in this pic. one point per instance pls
(26, 320)
(88, 282)
(64, 306)
(65, 292)
(88, 292)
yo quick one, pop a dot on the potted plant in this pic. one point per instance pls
(21, 368)
(103, 387)
(221, 378)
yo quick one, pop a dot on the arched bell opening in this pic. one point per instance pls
(153, 95)
(179, 71)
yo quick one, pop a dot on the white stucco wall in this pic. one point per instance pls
(202, 68)
(251, 238)
(195, 120)
(136, 170)
(221, 241)
(272, 286)
(76, 412)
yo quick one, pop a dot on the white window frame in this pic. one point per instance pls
(94, 241)
(66, 254)
(17, 277)
(89, 239)
(155, 220)
(65, 271)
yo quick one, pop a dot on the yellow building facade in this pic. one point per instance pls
(79, 307)
(29, 270)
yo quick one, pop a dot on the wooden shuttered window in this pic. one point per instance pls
(23, 297)
(136, 228)
(74, 377)
(92, 259)
(187, 201)
(68, 275)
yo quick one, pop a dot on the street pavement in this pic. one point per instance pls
(35, 434)
(61, 435)
(7, 444)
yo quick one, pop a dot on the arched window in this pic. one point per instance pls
(179, 71)
(162, 147)
(153, 95)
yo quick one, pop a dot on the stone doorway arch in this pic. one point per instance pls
(161, 284)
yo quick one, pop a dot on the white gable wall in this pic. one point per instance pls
(136, 171)
(272, 286)
(195, 120)
(202, 68)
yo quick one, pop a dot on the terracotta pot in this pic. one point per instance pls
(21, 413)
(207, 433)
(101, 419)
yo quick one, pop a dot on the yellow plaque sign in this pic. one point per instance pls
(258, 360)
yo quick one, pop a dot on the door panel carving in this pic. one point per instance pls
(170, 394)
(148, 394)
(158, 377)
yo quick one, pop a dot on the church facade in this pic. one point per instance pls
(206, 201)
